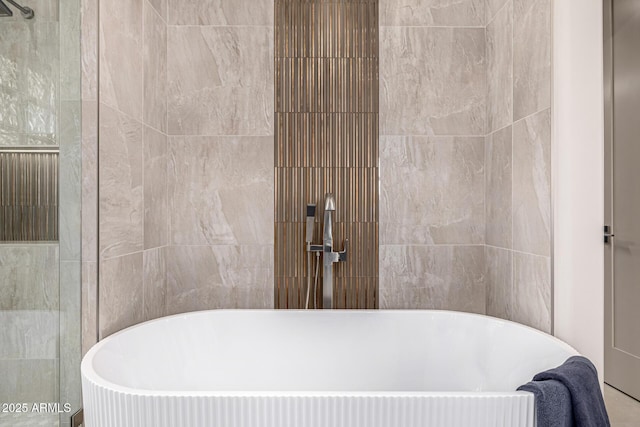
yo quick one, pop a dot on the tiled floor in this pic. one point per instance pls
(623, 410)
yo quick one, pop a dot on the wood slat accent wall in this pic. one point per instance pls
(28, 196)
(326, 98)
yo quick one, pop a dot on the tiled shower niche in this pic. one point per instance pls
(326, 140)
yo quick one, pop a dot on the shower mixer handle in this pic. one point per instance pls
(342, 255)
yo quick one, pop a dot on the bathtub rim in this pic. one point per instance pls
(90, 375)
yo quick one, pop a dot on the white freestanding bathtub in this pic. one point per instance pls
(245, 368)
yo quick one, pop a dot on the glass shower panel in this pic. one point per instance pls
(40, 182)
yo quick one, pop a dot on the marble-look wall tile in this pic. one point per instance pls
(89, 305)
(29, 83)
(532, 291)
(29, 277)
(161, 7)
(220, 80)
(121, 293)
(70, 182)
(431, 190)
(89, 49)
(411, 13)
(531, 56)
(156, 220)
(121, 57)
(70, 333)
(500, 70)
(498, 177)
(221, 12)
(433, 81)
(155, 283)
(221, 190)
(30, 419)
(29, 380)
(532, 184)
(89, 181)
(120, 170)
(28, 334)
(499, 282)
(492, 7)
(432, 277)
(210, 277)
(70, 68)
(155, 69)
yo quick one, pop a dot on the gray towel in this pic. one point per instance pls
(553, 403)
(580, 378)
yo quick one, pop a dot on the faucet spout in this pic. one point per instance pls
(327, 252)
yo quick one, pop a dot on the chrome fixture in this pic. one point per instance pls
(27, 12)
(311, 217)
(329, 257)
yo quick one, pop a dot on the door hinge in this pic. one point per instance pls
(608, 234)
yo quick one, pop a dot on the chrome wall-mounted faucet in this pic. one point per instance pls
(329, 257)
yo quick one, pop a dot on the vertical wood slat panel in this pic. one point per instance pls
(326, 78)
(28, 196)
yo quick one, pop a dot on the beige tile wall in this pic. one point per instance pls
(30, 337)
(132, 131)
(464, 157)
(433, 77)
(518, 161)
(220, 153)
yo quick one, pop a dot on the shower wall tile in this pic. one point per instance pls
(29, 93)
(70, 178)
(70, 69)
(432, 190)
(532, 291)
(499, 282)
(28, 334)
(70, 332)
(89, 305)
(89, 117)
(29, 380)
(221, 190)
(89, 49)
(121, 57)
(30, 419)
(155, 69)
(531, 56)
(492, 7)
(29, 277)
(221, 12)
(432, 277)
(498, 203)
(220, 80)
(121, 293)
(121, 192)
(160, 7)
(500, 70)
(156, 218)
(433, 81)
(223, 276)
(463, 13)
(154, 283)
(532, 184)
